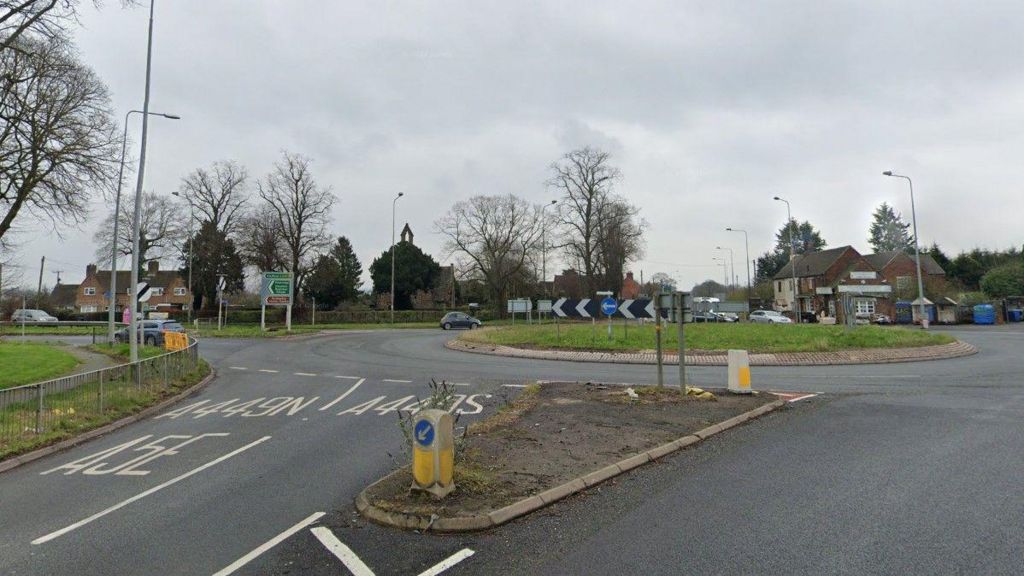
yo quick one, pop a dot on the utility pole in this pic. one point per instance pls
(39, 288)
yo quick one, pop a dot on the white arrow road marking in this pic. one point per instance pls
(140, 496)
(582, 308)
(624, 309)
(650, 309)
(268, 545)
(447, 562)
(342, 552)
(557, 307)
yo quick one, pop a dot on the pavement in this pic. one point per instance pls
(893, 468)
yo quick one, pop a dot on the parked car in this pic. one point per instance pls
(30, 315)
(881, 319)
(768, 317)
(459, 320)
(729, 316)
(152, 331)
(707, 317)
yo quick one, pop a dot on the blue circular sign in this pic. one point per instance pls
(424, 433)
(609, 306)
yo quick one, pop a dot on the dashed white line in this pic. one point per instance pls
(268, 545)
(238, 367)
(342, 552)
(349, 377)
(268, 371)
(303, 374)
(448, 562)
(140, 496)
(342, 397)
(397, 381)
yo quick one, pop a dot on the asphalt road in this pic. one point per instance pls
(896, 468)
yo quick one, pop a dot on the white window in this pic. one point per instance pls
(865, 305)
(90, 291)
(157, 291)
(88, 309)
(180, 292)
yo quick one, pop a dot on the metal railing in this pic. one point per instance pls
(33, 413)
(98, 330)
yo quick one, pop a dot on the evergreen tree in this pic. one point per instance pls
(888, 232)
(213, 254)
(806, 238)
(324, 283)
(414, 271)
(349, 268)
(940, 258)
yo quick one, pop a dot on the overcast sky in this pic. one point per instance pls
(709, 108)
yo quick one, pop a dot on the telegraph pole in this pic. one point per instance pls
(39, 288)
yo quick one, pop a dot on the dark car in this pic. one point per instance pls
(709, 317)
(459, 320)
(152, 331)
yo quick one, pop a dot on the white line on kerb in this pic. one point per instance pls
(343, 553)
(268, 371)
(303, 374)
(268, 545)
(448, 562)
(397, 381)
(238, 367)
(140, 496)
(513, 385)
(461, 384)
(342, 397)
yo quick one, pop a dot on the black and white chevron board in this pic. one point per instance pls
(591, 308)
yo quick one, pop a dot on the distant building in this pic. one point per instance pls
(169, 289)
(823, 277)
(630, 288)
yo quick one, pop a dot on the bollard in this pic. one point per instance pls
(739, 372)
(433, 452)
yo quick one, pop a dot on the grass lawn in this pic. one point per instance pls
(121, 351)
(15, 330)
(276, 331)
(743, 336)
(29, 362)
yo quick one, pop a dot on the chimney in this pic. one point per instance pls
(629, 275)
(90, 270)
(153, 266)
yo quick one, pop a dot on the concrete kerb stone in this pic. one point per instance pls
(840, 357)
(547, 497)
(106, 428)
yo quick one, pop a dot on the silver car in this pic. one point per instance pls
(768, 317)
(30, 315)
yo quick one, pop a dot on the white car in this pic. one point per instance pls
(28, 315)
(768, 317)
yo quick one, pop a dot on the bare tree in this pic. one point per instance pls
(161, 230)
(46, 19)
(494, 237)
(301, 209)
(218, 193)
(600, 231)
(260, 240)
(58, 141)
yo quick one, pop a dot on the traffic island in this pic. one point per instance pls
(554, 440)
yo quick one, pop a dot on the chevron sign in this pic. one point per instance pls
(591, 308)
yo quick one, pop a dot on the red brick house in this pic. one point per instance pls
(169, 289)
(823, 277)
(630, 288)
(899, 269)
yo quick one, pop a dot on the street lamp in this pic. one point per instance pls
(792, 258)
(544, 246)
(746, 243)
(725, 269)
(393, 205)
(133, 329)
(117, 218)
(191, 241)
(732, 263)
(917, 251)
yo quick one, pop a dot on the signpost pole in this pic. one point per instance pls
(288, 318)
(657, 337)
(263, 316)
(681, 303)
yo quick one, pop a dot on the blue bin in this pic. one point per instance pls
(984, 314)
(1016, 315)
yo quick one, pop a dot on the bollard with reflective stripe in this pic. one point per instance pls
(433, 452)
(739, 372)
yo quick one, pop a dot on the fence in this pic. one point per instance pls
(34, 413)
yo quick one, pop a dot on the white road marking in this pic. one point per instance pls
(349, 377)
(238, 367)
(397, 381)
(268, 545)
(303, 374)
(268, 371)
(342, 397)
(140, 496)
(513, 385)
(461, 384)
(799, 398)
(448, 562)
(342, 552)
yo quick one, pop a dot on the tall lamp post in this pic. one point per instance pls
(725, 269)
(111, 316)
(544, 246)
(917, 251)
(746, 243)
(133, 328)
(792, 258)
(393, 206)
(191, 241)
(732, 264)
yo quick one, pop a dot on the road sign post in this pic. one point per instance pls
(276, 289)
(609, 307)
(657, 338)
(680, 317)
(433, 452)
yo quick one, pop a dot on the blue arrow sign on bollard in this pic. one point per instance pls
(609, 306)
(424, 433)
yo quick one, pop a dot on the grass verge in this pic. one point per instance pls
(253, 330)
(30, 362)
(122, 352)
(752, 337)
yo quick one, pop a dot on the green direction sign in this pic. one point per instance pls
(276, 288)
